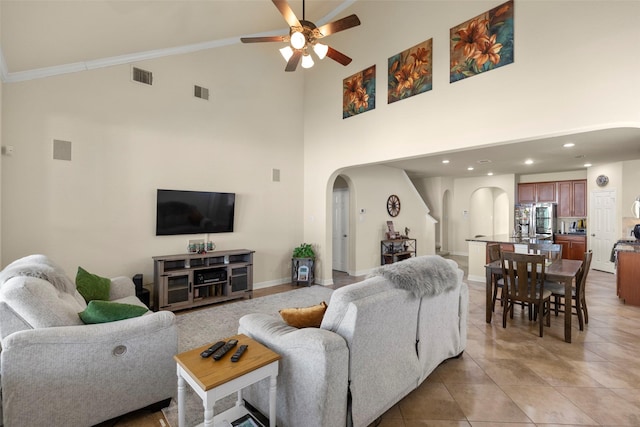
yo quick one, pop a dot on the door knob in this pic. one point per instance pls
(593, 235)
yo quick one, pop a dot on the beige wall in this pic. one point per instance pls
(128, 139)
(467, 217)
(370, 186)
(437, 192)
(512, 103)
(97, 210)
(624, 177)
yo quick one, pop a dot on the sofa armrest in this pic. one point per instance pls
(313, 375)
(83, 375)
(121, 287)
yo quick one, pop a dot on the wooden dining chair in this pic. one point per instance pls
(578, 299)
(524, 282)
(493, 254)
(552, 251)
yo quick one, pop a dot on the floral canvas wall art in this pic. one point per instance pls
(359, 92)
(410, 72)
(482, 43)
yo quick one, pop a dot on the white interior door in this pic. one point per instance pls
(602, 228)
(341, 229)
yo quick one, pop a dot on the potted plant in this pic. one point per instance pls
(305, 250)
(302, 264)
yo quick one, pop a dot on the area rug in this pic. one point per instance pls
(209, 325)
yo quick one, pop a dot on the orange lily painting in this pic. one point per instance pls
(359, 92)
(410, 72)
(482, 43)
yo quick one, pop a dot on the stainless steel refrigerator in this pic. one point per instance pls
(523, 220)
(544, 220)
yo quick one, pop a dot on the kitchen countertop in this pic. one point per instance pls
(506, 238)
(578, 234)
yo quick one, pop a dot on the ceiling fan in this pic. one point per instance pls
(303, 37)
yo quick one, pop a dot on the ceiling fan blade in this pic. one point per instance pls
(292, 64)
(339, 25)
(338, 56)
(263, 39)
(287, 13)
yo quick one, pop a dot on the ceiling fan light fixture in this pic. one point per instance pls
(321, 50)
(298, 40)
(307, 61)
(286, 53)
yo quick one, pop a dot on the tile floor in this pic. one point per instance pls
(512, 377)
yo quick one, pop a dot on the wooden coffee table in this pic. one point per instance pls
(213, 380)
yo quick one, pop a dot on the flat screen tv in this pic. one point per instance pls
(194, 212)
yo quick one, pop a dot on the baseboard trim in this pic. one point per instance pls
(475, 278)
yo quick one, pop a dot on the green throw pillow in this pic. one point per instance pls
(108, 311)
(91, 286)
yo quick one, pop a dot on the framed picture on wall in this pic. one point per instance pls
(483, 43)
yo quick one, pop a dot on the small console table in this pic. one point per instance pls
(396, 250)
(191, 280)
(213, 380)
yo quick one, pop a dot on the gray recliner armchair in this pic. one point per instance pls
(57, 371)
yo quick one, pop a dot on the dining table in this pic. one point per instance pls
(560, 270)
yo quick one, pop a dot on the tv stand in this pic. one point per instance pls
(192, 280)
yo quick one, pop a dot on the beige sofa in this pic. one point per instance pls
(375, 345)
(58, 371)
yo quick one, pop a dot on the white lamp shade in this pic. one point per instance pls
(321, 50)
(286, 52)
(297, 40)
(307, 61)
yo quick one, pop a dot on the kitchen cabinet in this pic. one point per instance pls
(572, 198)
(573, 246)
(628, 277)
(537, 192)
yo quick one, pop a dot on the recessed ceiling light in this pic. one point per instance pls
(490, 173)
(587, 165)
(470, 168)
(569, 145)
(528, 162)
(445, 161)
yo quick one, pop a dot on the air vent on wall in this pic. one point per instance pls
(201, 92)
(142, 76)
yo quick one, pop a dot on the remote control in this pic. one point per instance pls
(224, 349)
(208, 352)
(239, 352)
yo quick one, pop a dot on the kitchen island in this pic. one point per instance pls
(627, 253)
(478, 251)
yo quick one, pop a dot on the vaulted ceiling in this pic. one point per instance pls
(45, 37)
(43, 33)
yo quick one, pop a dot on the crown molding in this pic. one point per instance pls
(39, 73)
(75, 67)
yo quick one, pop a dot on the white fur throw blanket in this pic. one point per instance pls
(423, 276)
(41, 267)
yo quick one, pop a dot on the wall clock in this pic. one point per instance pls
(393, 205)
(602, 180)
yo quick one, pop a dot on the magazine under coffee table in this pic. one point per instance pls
(213, 380)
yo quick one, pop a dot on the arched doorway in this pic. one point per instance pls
(340, 227)
(489, 212)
